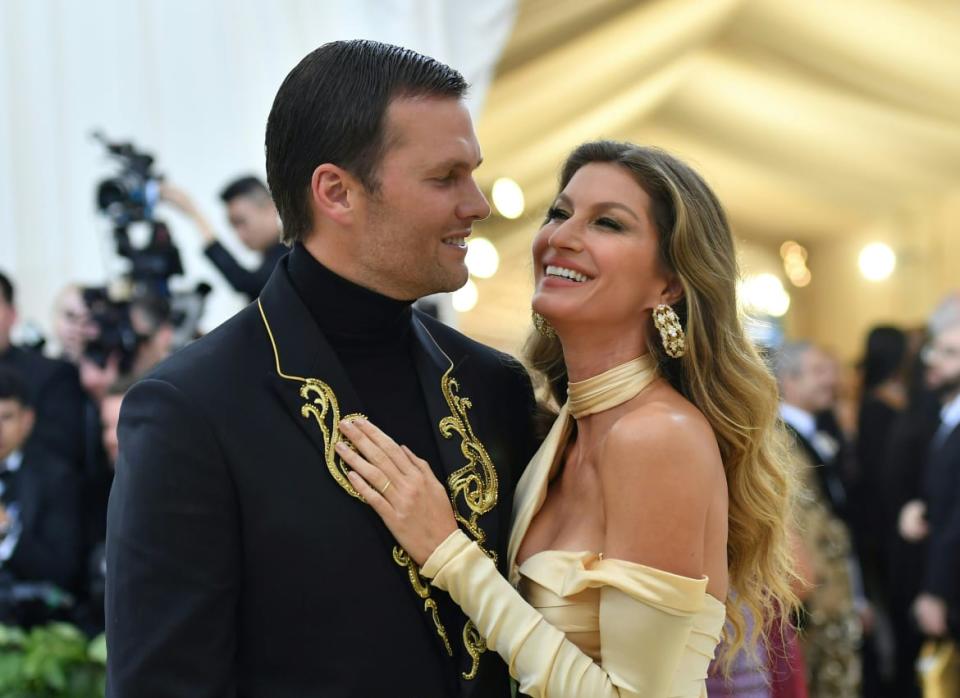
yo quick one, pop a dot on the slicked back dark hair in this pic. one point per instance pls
(244, 186)
(331, 108)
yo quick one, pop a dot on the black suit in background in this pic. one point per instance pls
(246, 281)
(46, 491)
(237, 562)
(57, 399)
(906, 448)
(941, 489)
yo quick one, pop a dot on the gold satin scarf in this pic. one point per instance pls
(611, 388)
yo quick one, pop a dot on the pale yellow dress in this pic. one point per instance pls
(576, 625)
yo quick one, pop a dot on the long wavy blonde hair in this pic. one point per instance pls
(721, 373)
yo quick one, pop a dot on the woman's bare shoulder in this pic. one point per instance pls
(660, 468)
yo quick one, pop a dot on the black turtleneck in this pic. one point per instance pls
(371, 334)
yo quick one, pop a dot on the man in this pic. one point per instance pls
(936, 518)
(239, 560)
(40, 533)
(254, 219)
(53, 386)
(831, 627)
(73, 325)
(90, 615)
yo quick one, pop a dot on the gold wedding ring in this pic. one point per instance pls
(386, 487)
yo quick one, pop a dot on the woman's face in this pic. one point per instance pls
(596, 262)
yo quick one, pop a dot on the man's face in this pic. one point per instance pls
(8, 317)
(942, 357)
(72, 323)
(254, 220)
(410, 235)
(110, 418)
(813, 386)
(16, 423)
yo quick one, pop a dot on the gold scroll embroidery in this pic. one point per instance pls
(322, 405)
(476, 485)
(422, 589)
(476, 482)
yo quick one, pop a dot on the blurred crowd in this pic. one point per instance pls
(877, 532)
(60, 407)
(877, 446)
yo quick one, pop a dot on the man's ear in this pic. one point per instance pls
(333, 192)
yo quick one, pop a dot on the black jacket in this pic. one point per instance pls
(942, 495)
(237, 564)
(57, 398)
(46, 489)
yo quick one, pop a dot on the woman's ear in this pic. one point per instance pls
(673, 291)
(332, 193)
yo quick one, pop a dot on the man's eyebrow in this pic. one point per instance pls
(454, 163)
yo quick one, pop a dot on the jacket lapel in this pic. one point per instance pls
(311, 383)
(307, 376)
(433, 365)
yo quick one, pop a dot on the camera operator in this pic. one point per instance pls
(150, 318)
(72, 324)
(53, 387)
(254, 219)
(40, 531)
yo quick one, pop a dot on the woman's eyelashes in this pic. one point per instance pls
(607, 222)
(556, 213)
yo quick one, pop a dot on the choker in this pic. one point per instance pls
(611, 388)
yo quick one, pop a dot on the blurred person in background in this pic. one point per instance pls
(73, 326)
(831, 626)
(152, 321)
(902, 473)
(90, 614)
(54, 390)
(253, 217)
(883, 397)
(935, 517)
(40, 531)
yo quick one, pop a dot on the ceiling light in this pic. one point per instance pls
(465, 299)
(482, 258)
(877, 261)
(764, 294)
(508, 198)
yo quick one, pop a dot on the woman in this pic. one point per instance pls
(660, 485)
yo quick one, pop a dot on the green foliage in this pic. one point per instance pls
(52, 661)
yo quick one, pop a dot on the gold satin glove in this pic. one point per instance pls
(646, 623)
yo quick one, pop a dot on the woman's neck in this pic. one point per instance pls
(588, 355)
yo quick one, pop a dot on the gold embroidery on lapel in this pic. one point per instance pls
(476, 482)
(321, 404)
(422, 588)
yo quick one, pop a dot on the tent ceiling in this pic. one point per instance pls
(811, 119)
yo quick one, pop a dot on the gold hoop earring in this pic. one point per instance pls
(543, 327)
(671, 333)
